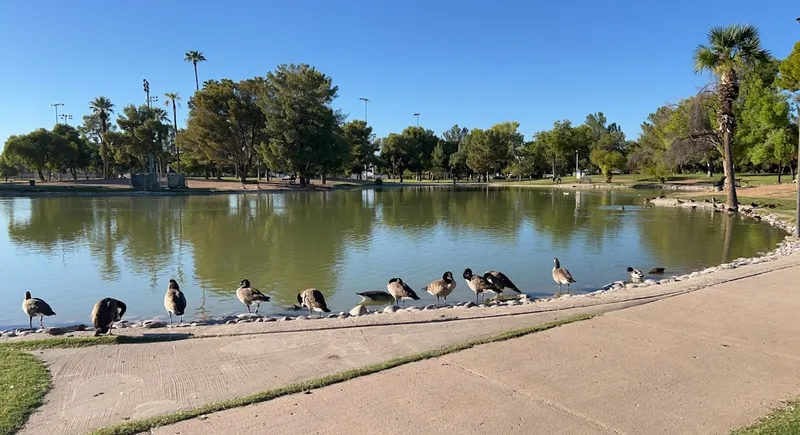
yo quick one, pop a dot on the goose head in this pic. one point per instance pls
(174, 284)
(467, 274)
(27, 295)
(245, 283)
(448, 276)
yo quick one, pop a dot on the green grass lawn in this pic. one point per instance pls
(24, 380)
(785, 421)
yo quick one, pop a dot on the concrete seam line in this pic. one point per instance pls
(139, 426)
(542, 400)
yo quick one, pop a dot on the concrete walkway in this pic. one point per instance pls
(700, 363)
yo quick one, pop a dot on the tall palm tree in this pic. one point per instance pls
(172, 98)
(103, 108)
(729, 51)
(194, 57)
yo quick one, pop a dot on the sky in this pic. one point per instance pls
(469, 63)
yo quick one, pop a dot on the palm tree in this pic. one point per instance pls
(173, 98)
(194, 57)
(103, 108)
(730, 50)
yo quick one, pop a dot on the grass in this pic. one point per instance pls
(784, 421)
(24, 380)
(139, 426)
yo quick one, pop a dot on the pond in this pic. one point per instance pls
(72, 252)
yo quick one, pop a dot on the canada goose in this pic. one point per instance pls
(400, 291)
(107, 311)
(478, 284)
(377, 297)
(656, 270)
(636, 274)
(249, 295)
(441, 288)
(313, 300)
(35, 307)
(622, 207)
(174, 300)
(500, 280)
(561, 275)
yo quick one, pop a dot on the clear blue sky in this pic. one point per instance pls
(466, 62)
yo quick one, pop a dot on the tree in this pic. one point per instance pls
(607, 161)
(789, 80)
(439, 161)
(395, 151)
(103, 108)
(729, 51)
(7, 168)
(359, 135)
(226, 122)
(35, 150)
(144, 131)
(419, 145)
(558, 143)
(72, 151)
(194, 57)
(299, 119)
(172, 99)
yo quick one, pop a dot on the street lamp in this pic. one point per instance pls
(576, 164)
(366, 101)
(417, 115)
(56, 106)
(797, 177)
(64, 117)
(146, 87)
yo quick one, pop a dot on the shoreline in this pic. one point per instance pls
(616, 292)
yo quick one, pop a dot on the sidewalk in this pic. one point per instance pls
(699, 363)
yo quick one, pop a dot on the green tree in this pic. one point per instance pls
(73, 152)
(558, 143)
(103, 108)
(440, 162)
(729, 51)
(36, 150)
(226, 122)
(172, 99)
(299, 118)
(789, 79)
(194, 57)
(7, 168)
(607, 161)
(144, 131)
(359, 135)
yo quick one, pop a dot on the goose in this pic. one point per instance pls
(377, 297)
(441, 288)
(35, 307)
(249, 295)
(105, 312)
(400, 291)
(478, 284)
(500, 280)
(561, 275)
(174, 300)
(656, 270)
(312, 299)
(636, 274)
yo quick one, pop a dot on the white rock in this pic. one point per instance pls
(301, 318)
(650, 282)
(156, 324)
(344, 315)
(248, 316)
(513, 302)
(284, 319)
(430, 307)
(412, 308)
(631, 285)
(332, 315)
(694, 274)
(391, 309)
(230, 322)
(469, 304)
(358, 310)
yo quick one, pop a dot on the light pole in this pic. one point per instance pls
(576, 163)
(64, 117)
(146, 86)
(797, 174)
(417, 115)
(366, 101)
(56, 106)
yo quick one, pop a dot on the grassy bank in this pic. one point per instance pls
(785, 421)
(139, 426)
(24, 380)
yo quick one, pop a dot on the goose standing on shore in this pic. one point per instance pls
(249, 295)
(376, 298)
(107, 311)
(500, 280)
(478, 284)
(561, 275)
(174, 300)
(400, 291)
(35, 307)
(312, 299)
(636, 274)
(441, 288)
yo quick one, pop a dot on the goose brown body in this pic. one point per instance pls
(442, 288)
(400, 291)
(107, 311)
(35, 307)
(561, 275)
(500, 280)
(376, 297)
(174, 300)
(478, 284)
(249, 295)
(312, 299)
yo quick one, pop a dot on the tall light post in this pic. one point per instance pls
(56, 106)
(146, 87)
(797, 174)
(64, 117)
(366, 101)
(576, 163)
(417, 115)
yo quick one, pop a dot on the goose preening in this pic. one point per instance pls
(249, 295)
(441, 288)
(500, 280)
(656, 270)
(174, 300)
(376, 298)
(636, 274)
(400, 291)
(312, 299)
(478, 284)
(107, 311)
(35, 307)
(561, 275)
